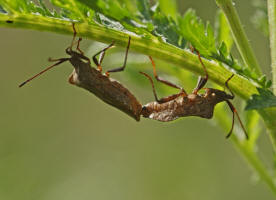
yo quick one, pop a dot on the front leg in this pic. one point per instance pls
(201, 80)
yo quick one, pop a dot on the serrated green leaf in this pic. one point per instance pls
(14, 6)
(110, 8)
(265, 99)
(144, 8)
(193, 30)
(162, 26)
(166, 27)
(223, 49)
(113, 11)
(27, 7)
(268, 84)
(46, 11)
(2, 10)
(74, 10)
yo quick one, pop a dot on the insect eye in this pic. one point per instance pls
(213, 94)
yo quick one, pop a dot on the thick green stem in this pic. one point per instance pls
(257, 165)
(239, 35)
(241, 41)
(245, 148)
(148, 46)
(271, 8)
(270, 121)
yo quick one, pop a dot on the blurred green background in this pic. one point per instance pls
(60, 142)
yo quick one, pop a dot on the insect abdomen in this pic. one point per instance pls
(108, 90)
(180, 107)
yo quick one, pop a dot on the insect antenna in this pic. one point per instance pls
(234, 111)
(61, 60)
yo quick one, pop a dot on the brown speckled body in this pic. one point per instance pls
(107, 89)
(201, 105)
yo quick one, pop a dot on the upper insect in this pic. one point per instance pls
(92, 79)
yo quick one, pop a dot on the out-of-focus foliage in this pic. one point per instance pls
(259, 19)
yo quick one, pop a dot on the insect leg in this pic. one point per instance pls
(162, 100)
(201, 80)
(234, 111)
(74, 36)
(78, 46)
(81, 52)
(164, 81)
(59, 61)
(101, 53)
(226, 84)
(125, 60)
(70, 48)
(152, 85)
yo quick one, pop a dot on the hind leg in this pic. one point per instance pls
(165, 99)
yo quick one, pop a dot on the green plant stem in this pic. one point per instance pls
(268, 116)
(257, 165)
(249, 58)
(148, 46)
(271, 8)
(239, 35)
(245, 148)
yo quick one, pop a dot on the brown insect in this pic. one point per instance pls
(184, 105)
(92, 79)
(115, 94)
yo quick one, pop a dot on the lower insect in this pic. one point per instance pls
(184, 105)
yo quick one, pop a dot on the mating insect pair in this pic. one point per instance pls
(115, 94)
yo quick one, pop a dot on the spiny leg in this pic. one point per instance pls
(102, 53)
(234, 111)
(59, 61)
(165, 81)
(201, 80)
(162, 100)
(119, 69)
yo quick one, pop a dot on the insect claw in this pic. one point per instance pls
(228, 135)
(51, 59)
